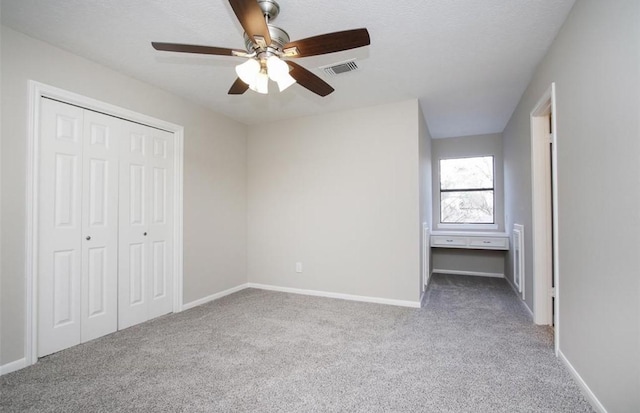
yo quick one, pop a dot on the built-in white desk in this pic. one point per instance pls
(470, 240)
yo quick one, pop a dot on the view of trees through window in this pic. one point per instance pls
(466, 190)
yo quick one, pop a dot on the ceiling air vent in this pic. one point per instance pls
(340, 68)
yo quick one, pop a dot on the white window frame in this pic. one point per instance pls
(467, 225)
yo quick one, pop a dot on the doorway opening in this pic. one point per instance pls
(544, 180)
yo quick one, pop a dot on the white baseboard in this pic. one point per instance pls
(595, 403)
(530, 311)
(13, 366)
(361, 298)
(513, 286)
(213, 297)
(524, 303)
(473, 273)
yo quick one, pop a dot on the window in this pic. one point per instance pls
(467, 190)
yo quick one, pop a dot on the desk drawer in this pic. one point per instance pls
(442, 241)
(488, 242)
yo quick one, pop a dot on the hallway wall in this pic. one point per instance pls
(595, 63)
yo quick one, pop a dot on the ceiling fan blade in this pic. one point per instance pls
(329, 43)
(252, 20)
(238, 87)
(190, 48)
(308, 80)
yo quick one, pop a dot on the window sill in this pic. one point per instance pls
(467, 227)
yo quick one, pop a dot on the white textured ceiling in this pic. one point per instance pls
(467, 61)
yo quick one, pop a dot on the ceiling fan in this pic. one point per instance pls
(267, 46)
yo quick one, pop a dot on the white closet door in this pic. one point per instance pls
(105, 242)
(146, 221)
(133, 227)
(160, 234)
(100, 225)
(60, 223)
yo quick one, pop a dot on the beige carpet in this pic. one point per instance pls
(472, 348)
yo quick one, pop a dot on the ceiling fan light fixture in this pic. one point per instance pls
(261, 84)
(276, 68)
(248, 71)
(285, 81)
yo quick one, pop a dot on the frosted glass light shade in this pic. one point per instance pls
(277, 68)
(253, 73)
(285, 81)
(248, 71)
(261, 84)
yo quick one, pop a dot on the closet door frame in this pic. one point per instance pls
(37, 91)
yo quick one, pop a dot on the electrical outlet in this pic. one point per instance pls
(298, 267)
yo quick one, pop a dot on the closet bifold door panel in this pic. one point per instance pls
(99, 283)
(145, 225)
(77, 240)
(59, 216)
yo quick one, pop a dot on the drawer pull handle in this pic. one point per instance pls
(449, 240)
(487, 242)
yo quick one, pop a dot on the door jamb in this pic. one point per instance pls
(540, 219)
(37, 91)
(426, 258)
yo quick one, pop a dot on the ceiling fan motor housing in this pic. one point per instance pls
(270, 10)
(278, 39)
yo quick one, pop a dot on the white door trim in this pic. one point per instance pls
(541, 220)
(426, 255)
(37, 91)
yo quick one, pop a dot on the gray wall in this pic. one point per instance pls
(1, 219)
(478, 261)
(595, 62)
(339, 193)
(214, 173)
(469, 146)
(425, 182)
